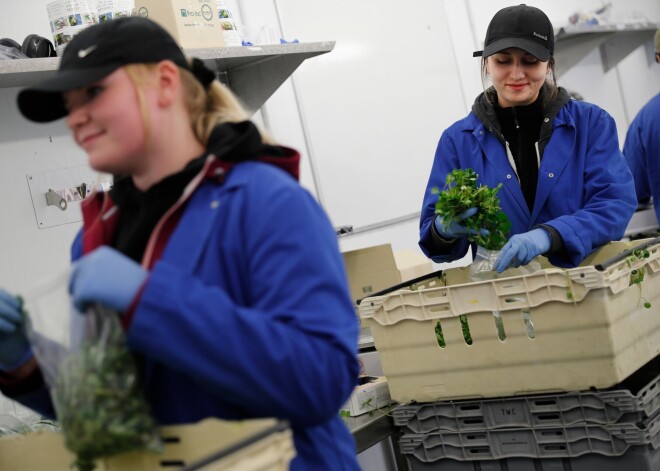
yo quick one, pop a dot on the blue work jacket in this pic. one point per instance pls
(585, 190)
(247, 314)
(642, 152)
(251, 290)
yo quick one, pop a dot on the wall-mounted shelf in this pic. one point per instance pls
(252, 72)
(616, 41)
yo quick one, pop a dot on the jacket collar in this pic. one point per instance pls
(233, 143)
(485, 112)
(229, 144)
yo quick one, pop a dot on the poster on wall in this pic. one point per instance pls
(69, 17)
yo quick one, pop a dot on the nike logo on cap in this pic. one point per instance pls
(85, 52)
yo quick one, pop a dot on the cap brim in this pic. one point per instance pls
(44, 103)
(535, 49)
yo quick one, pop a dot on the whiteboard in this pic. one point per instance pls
(375, 107)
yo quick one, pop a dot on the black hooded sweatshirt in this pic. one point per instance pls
(140, 211)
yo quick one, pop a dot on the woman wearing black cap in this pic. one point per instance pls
(202, 245)
(565, 186)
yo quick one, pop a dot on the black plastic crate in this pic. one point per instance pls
(629, 403)
(548, 442)
(637, 458)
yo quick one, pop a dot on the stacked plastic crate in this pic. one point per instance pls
(551, 371)
(608, 430)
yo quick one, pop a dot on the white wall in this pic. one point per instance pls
(621, 91)
(29, 253)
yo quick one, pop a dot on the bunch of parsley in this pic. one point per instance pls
(461, 193)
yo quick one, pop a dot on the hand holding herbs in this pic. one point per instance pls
(475, 208)
(454, 228)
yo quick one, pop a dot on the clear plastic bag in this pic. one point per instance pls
(92, 376)
(12, 425)
(483, 266)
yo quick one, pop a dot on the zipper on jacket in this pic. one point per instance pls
(512, 162)
(187, 191)
(515, 117)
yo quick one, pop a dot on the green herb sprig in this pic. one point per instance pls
(99, 404)
(637, 276)
(460, 193)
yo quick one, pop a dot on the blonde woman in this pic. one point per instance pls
(203, 244)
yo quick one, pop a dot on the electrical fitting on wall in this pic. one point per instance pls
(56, 195)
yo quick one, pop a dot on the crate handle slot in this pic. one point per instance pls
(529, 324)
(555, 447)
(499, 326)
(439, 308)
(473, 421)
(465, 328)
(171, 439)
(479, 451)
(440, 293)
(551, 417)
(172, 463)
(470, 407)
(439, 336)
(546, 402)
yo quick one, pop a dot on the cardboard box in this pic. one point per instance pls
(370, 394)
(193, 23)
(412, 264)
(372, 269)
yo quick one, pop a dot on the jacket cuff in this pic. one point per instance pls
(556, 242)
(441, 244)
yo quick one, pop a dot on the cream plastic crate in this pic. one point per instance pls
(210, 445)
(549, 331)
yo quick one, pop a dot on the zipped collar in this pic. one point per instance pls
(485, 112)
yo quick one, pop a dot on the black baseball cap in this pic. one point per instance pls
(93, 54)
(521, 26)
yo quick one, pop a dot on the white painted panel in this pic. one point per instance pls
(19, 19)
(29, 254)
(374, 107)
(604, 92)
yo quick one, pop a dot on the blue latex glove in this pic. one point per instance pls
(106, 277)
(522, 248)
(14, 346)
(454, 229)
